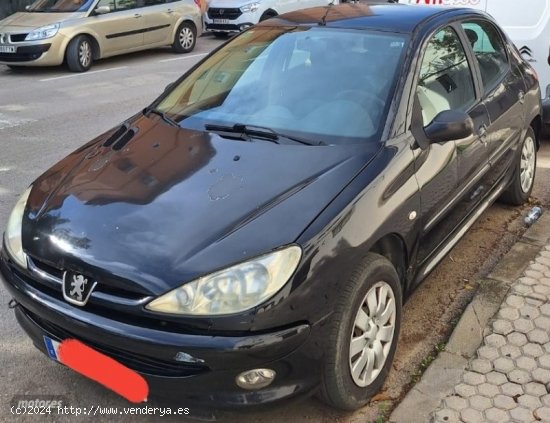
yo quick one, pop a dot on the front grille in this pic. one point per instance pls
(224, 13)
(137, 362)
(17, 38)
(25, 53)
(110, 287)
(50, 270)
(19, 57)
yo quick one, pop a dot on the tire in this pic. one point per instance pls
(523, 180)
(339, 388)
(80, 54)
(185, 39)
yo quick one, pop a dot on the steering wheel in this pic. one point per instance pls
(367, 100)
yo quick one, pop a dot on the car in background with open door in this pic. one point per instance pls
(51, 32)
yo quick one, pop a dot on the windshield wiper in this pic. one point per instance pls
(244, 132)
(163, 115)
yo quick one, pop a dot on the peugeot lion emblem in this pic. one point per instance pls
(77, 288)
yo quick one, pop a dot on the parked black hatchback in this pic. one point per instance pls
(251, 235)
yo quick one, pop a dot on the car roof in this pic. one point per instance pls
(392, 17)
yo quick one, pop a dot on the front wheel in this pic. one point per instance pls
(524, 173)
(186, 38)
(363, 335)
(80, 54)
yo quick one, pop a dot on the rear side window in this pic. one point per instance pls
(446, 81)
(489, 50)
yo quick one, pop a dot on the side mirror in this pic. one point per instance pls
(449, 125)
(102, 10)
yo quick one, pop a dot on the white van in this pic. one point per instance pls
(527, 23)
(226, 16)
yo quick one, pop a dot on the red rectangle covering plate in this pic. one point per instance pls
(104, 370)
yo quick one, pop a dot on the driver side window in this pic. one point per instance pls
(445, 81)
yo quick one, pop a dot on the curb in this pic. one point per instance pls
(444, 373)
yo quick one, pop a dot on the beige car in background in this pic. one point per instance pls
(79, 32)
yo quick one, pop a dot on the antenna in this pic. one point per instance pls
(324, 18)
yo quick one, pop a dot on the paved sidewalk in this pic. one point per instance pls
(504, 376)
(509, 380)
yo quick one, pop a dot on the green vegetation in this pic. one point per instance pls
(426, 361)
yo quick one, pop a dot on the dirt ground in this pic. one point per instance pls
(432, 311)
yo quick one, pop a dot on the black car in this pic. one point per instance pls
(252, 234)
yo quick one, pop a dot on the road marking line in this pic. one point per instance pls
(184, 57)
(82, 74)
(11, 122)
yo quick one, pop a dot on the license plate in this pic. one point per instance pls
(52, 347)
(221, 21)
(7, 49)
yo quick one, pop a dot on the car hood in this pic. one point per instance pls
(31, 20)
(229, 3)
(173, 204)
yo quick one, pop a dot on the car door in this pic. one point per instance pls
(503, 94)
(450, 173)
(160, 18)
(122, 29)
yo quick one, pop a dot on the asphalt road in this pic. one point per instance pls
(46, 113)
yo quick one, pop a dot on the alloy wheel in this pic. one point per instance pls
(527, 164)
(85, 53)
(186, 38)
(372, 334)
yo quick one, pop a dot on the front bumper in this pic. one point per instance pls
(206, 382)
(232, 24)
(49, 52)
(228, 28)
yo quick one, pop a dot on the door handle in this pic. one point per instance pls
(137, 16)
(170, 11)
(521, 97)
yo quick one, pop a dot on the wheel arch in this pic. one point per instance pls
(269, 13)
(183, 19)
(393, 247)
(96, 48)
(536, 124)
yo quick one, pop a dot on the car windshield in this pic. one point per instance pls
(60, 5)
(320, 84)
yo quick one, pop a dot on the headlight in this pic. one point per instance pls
(232, 290)
(12, 236)
(251, 7)
(42, 33)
